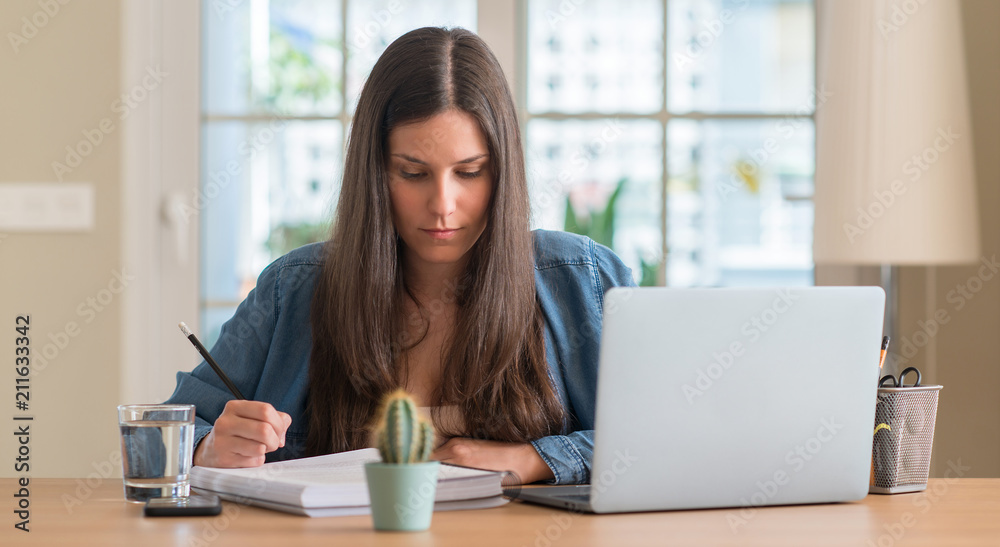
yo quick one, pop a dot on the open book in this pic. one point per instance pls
(334, 485)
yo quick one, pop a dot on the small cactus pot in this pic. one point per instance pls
(402, 495)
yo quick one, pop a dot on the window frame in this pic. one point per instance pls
(160, 168)
(663, 116)
(162, 163)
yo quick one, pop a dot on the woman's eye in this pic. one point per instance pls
(461, 174)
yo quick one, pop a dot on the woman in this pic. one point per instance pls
(431, 281)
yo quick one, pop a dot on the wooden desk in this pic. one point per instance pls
(952, 512)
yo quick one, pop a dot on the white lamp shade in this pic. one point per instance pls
(894, 175)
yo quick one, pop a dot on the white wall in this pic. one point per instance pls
(62, 82)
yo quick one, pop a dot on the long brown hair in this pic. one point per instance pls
(494, 363)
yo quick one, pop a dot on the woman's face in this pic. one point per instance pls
(440, 184)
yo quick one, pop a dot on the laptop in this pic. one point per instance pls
(731, 398)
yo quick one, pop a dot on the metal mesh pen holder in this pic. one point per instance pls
(904, 433)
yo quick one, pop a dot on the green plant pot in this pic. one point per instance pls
(402, 494)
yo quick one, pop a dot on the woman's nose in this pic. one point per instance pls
(444, 194)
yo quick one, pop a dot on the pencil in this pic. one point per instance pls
(885, 346)
(211, 362)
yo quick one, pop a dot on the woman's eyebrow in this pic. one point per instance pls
(472, 159)
(415, 160)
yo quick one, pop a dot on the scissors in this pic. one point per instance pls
(892, 379)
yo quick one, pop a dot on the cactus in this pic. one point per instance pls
(404, 437)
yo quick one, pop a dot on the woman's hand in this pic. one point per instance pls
(243, 434)
(521, 458)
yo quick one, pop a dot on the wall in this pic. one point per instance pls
(65, 79)
(964, 355)
(60, 83)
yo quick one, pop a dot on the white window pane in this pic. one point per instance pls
(373, 25)
(598, 56)
(740, 55)
(267, 188)
(272, 56)
(740, 202)
(585, 161)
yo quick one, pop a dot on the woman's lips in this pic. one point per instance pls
(441, 234)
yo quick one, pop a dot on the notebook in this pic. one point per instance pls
(335, 485)
(731, 398)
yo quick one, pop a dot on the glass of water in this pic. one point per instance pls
(157, 445)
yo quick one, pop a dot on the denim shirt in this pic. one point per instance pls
(264, 348)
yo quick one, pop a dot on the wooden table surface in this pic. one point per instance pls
(951, 512)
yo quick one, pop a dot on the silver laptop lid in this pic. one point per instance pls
(735, 397)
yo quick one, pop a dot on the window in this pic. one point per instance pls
(663, 128)
(280, 82)
(692, 118)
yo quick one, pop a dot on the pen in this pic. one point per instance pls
(208, 358)
(885, 345)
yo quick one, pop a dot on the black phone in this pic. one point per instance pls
(184, 507)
